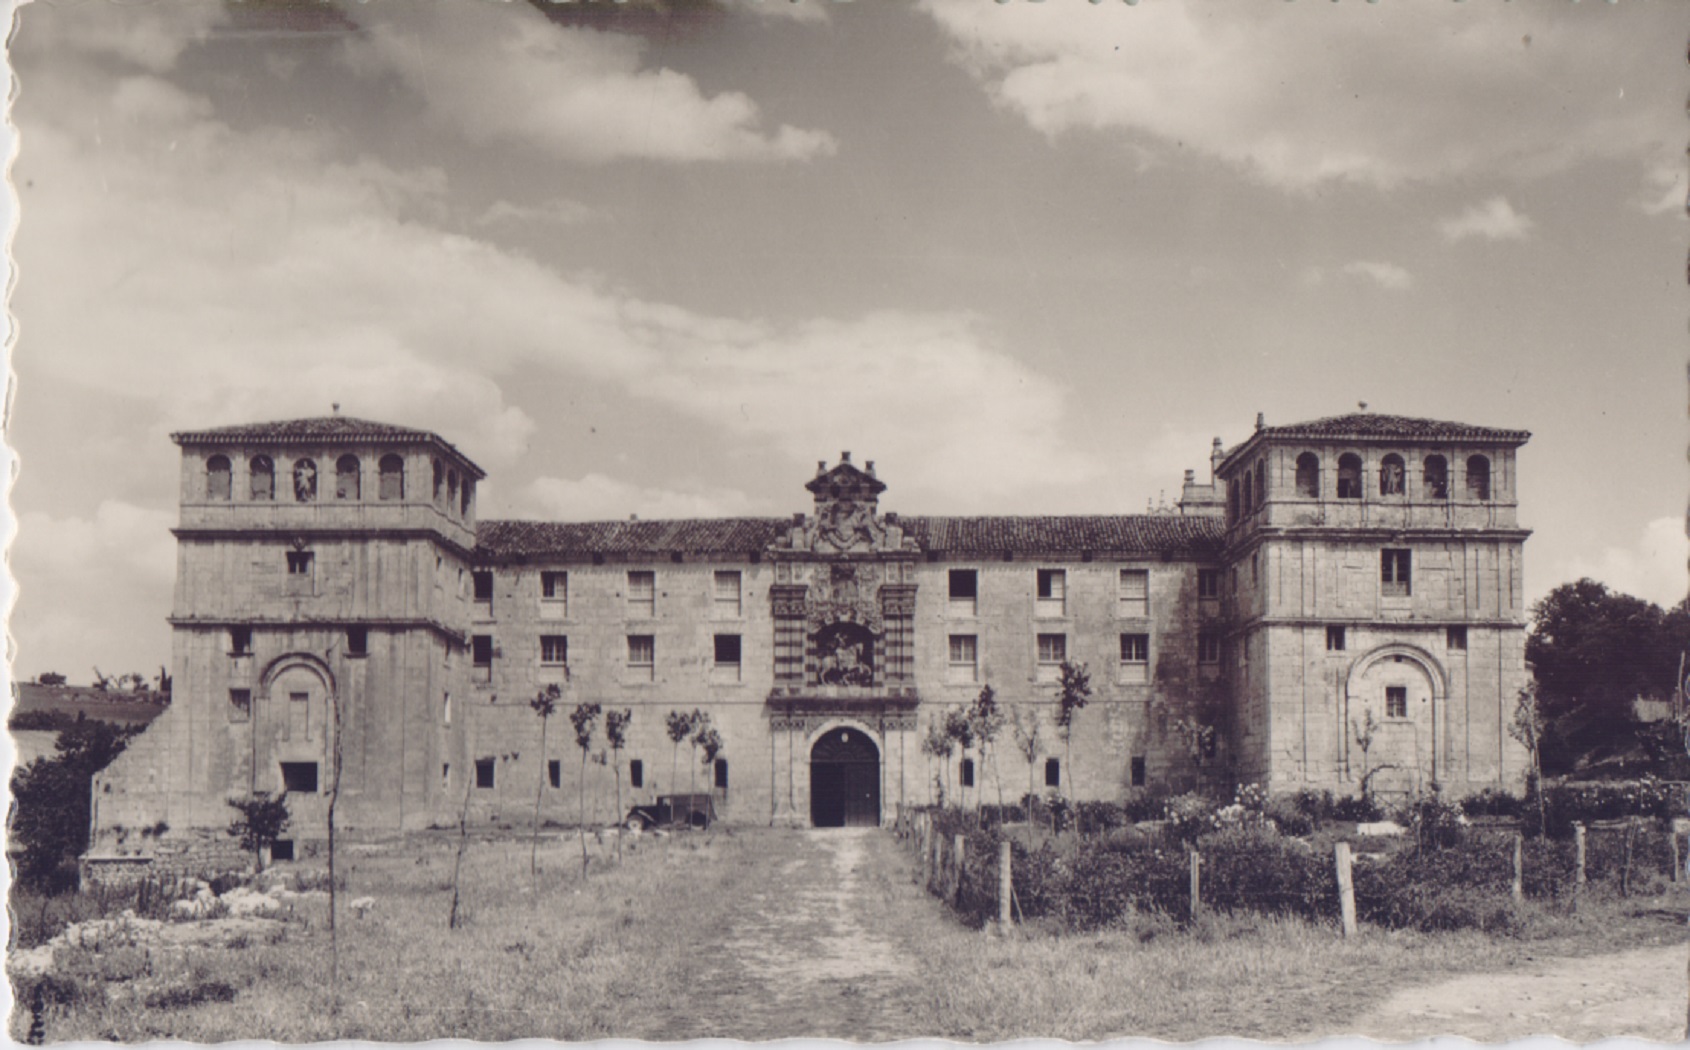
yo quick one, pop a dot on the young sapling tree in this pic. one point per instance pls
(545, 704)
(585, 720)
(1073, 692)
(616, 733)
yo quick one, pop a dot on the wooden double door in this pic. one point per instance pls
(845, 780)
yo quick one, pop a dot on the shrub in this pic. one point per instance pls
(1439, 889)
(1355, 807)
(51, 800)
(1288, 817)
(1434, 823)
(1256, 869)
(1493, 803)
(1567, 804)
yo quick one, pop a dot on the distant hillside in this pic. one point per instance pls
(36, 706)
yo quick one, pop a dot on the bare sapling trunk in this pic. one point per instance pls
(334, 797)
(458, 861)
(581, 812)
(539, 792)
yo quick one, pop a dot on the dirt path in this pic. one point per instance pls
(802, 954)
(1639, 993)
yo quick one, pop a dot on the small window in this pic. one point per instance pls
(1137, 769)
(554, 772)
(965, 657)
(1308, 475)
(722, 775)
(300, 697)
(727, 603)
(446, 709)
(1208, 647)
(392, 482)
(346, 481)
(1135, 657)
(1261, 482)
(299, 777)
(1434, 478)
(642, 594)
(636, 773)
(262, 475)
(281, 849)
(1053, 772)
(964, 592)
(481, 582)
(727, 650)
(554, 595)
(451, 490)
(467, 499)
(240, 705)
(554, 650)
(1053, 649)
(1053, 592)
(217, 478)
(968, 772)
(1393, 476)
(1396, 701)
(439, 481)
(1249, 501)
(1335, 639)
(357, 641)
(1394, 565)
(305, 481)
(642, 656)
(481, 657)
(299, 563)
(484, 773)
(1455, 638)
(1349, 476)
(1478, 477)
(1135, 593)
(240, 641)
(445, 776)
(1208, 583)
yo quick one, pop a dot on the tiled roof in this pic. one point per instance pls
(319, 429)
(1378, 425)
(1153, 533)
(688, 536)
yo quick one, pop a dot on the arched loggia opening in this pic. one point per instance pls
(845, 780)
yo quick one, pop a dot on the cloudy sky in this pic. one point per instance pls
(661, 259)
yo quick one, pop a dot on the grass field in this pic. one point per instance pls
(625, 951)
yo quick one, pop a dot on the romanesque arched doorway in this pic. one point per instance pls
(845, 780)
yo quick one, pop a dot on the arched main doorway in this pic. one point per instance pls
(845, 780)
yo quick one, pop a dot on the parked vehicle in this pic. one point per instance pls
(687, 810)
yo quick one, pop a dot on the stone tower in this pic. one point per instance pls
(1373, 582)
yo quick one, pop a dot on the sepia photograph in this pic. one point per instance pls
(967, 520)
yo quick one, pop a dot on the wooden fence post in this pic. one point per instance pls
(1519, 887)
(1672, 837)
(1006, 885)
(1196, 884)
(1625, 865)
(936, 882)
(1578, 863)
(961, 861)
(1346, 888)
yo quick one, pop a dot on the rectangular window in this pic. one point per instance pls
(1053, 648)
(636, 773)
(299, 777)
(1135, 593)
(1053, 592)
(722, 775)
(357, 641)
(481, 656)
(1455, 638)
(1208, 647)
(1053, 772)
(1208, 583)
(727, 603)
(445, 709)
(484, 774)
(554, 595)
(1335, 639)
(240, 705)
(299, 563)
(1138, 771)
(965, 658)
(1135, 657)
(1394, 572)
(964, 592)
(727, 655)
(554, 772)
(482, 582)
(967, 772)
(240, 641)
(642, 594)
(642, 657)
(281, 849)
(1396, 701)
(554, 650)
(445, 776)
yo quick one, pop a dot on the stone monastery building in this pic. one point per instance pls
(1351, 577)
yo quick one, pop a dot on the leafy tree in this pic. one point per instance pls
(987, 719)
(699, 723)
(545, 704)
(1527, 728)
(679, 726)
(938, 744)
(261, 822)
(1073, 692)
(710, 742)
(585, 719)
(1029, 742)
(616, 732)
(51, 799)
(959, 729)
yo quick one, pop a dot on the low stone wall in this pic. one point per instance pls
(171, 856)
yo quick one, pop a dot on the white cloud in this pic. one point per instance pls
(1494, 220)
(557, 212)
(503, 72)
(1388, 276)
(1302, 94)
(1667, 189)
(598, 497)
(1652, 567)
(794, 10)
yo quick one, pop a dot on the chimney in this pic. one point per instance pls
(1190, 477)
(821, 467)
(870, 466)
(1261, 421)
(844, 458)
(1216, 454)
